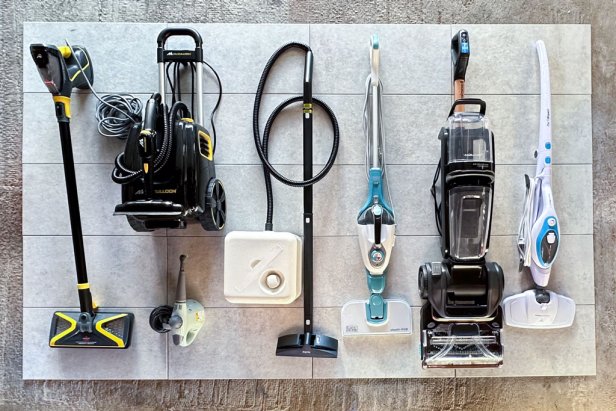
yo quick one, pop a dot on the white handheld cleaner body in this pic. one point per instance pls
(188, 316)
(376, 228)
(539, 233)
(184, 320)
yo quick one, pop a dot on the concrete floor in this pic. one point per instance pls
(529, 393)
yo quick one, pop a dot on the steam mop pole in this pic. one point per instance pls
(308, 228)
(374, 84)
(85, 297)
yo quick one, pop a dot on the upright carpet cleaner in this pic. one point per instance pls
(167, 168)
(270, 259)
(185, 319)
(376, 227)
(62, 69)
(461, 322)
(539, 233)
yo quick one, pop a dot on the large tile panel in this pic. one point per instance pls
(123, 271)
(504, 59)
(241, 343)
(414, 59)
(45, 209)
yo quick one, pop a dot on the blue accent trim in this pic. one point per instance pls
(376, 190)
(376, 283)
(375, 41)
(544, 231)
(376, 307)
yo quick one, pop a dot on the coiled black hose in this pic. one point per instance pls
(261, 143)
(123, 175)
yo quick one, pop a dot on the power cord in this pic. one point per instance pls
(115, 113)
(159, 317)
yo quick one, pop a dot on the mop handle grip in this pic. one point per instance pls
(469, 101)
(460, 54)
(164, 35)
(166, 55)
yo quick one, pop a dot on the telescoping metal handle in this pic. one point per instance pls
(460, 54)
(192, 56)
(164, 55)
(469, 101)
(164, 35)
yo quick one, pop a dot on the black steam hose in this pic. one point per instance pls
(261, 143)
(122, 174)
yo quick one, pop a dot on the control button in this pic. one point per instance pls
(551, 238)
(548, 146)
(551, 221)
(273, 281)
(377, 256)
(377, 210)
(548, 160)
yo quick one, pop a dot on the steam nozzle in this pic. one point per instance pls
(180, 292)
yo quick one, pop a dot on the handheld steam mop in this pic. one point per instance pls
(185, 319)
(539, 233)
(461, 321)
(62, 69)
(376, 227)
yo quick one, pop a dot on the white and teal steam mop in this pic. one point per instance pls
(376, 228)
(539, 233)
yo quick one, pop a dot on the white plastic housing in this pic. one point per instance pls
(523, 311)
(353, 319)
(366, 244)
(262, 267)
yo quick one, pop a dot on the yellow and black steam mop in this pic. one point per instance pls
(62, 69)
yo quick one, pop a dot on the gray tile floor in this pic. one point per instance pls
(412, 121)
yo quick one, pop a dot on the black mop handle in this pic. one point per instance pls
(308, 228)
(85, 297)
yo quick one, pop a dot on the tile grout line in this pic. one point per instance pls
(341, 94)
(236, 307)
(556, 164)
(431, 236)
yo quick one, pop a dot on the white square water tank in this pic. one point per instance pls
(262, 267)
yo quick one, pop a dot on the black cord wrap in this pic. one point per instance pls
(261, 143)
